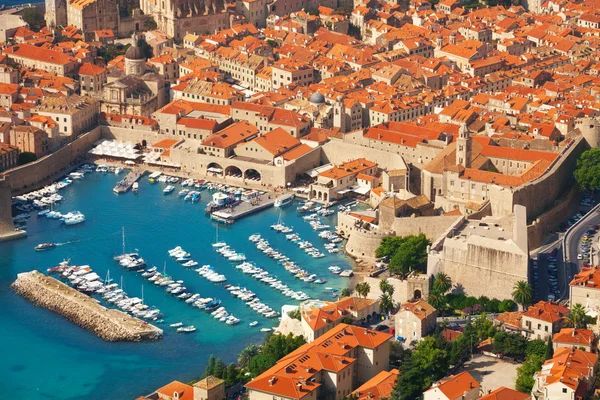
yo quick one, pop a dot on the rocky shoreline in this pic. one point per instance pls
(108, 324)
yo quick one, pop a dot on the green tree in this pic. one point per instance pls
(26, 157)
(484, 327)
(274, 348)
(437, 300)
(549, 349)
(34, 18)
(150, 24)
(210, 367)
(346, 292)
(410, 253)
(587, 172)
(220, 368)
(441, 283)
(386, 304)
(526, 371)
(522, 293)
(295, 314)
(246, 355)
(578, 316)
(460, 350)
(363, 289)
(399, 355)
(506, 305)
(386, 287)
(536, 347)
(431, 358)
(410, 384)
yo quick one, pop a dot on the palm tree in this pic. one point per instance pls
(363, 289)
(578, 316)
(346, 292)
(386, 287)
(436, 300)
(386, 304)
(522, 293)
(246, 354)
(441, 283)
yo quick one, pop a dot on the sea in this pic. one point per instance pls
(44, 356)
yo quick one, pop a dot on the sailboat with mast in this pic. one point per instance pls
(218, 244)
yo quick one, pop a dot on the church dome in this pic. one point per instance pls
(317, 98)
(134, 53)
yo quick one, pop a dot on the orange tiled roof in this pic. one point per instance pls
(292, 376)
(547, 311)
(184, 392)
(569, 367)
(40, 54)
(504, 393)
(232, 135)
(277, 141)
(588, 276)
(348, 168)
(91, 69)
(318, 317)
(454, 386)
(378, 387)
(574, 336)
(420, 308)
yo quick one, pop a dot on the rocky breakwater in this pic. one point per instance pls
(109, 324)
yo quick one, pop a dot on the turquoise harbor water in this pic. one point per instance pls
(45, 356)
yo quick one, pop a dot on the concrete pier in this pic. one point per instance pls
(229, 215)
(125, 184)
(108, 324)
(7, 228)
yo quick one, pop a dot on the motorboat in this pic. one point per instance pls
(176, 325)
(284, 200)
(168, 189)
(136, 187)
(253, 324)
(186, 329)
(45, 246)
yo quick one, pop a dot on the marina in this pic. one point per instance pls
(154, 224)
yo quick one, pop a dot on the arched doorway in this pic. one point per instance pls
(214, 169)
(252, 174)
(137, 26)
(233, 171)
(417, 294)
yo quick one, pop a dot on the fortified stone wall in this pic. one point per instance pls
(550, 220)
(432, 227)
(51, 167)
(337, 152)
(132, 135)
(540, 195)
(414, 286)
(7, 228)
(361, 242)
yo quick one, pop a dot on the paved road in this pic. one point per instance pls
(572, 246)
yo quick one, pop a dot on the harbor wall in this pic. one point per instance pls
(108, 324)
(7, 228)
(49, 168)
(413, 286)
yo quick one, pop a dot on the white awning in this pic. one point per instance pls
(313, 173)
(345, 191)
(216, 170)
(361, 189)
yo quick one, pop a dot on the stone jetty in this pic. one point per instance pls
(109, 324)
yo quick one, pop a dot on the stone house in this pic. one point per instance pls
(415, 320)
(585, 289)
(455, 387)
(543, 319)
(583, 339)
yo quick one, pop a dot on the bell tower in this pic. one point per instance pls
(463, 147)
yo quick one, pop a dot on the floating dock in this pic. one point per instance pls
(108, 324)
(126, 183)
(244, 208)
